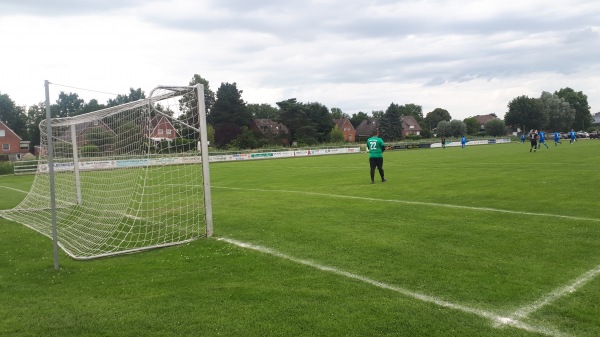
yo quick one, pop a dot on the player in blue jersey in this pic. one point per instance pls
(463, 141)
(523, 137)
(556, 138)
(573, 136)
(542, 136)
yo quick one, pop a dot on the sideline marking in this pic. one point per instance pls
(422, 203)
(14, 189)
(497, 320)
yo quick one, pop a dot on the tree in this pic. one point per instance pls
(560, 113)
(35, 114)
(99, 137)
(434, 117)
(458, 128)
(295, 119)
(91, 106)
(426, 133)
(413, 110)
(134, 95)
(578, 101)
(13, 116)
(210, 133)
(357, 118)
(526, 113)
(337, 113)
(444, 129)
(336, 135)
(69, 104)
(472, 125)
(377, 114)
(321, 119)
(189, 104)
(390, 124)
(495, 128)
(247, 139)
(229, 114)
(263, 111)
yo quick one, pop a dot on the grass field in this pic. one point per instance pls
(482, 241)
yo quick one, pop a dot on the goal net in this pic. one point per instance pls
(126, 178)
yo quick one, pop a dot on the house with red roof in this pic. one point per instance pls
(482, 119)
(347, 128)
(161, 129)
(273, 131)
(11, 144)
(410, 126)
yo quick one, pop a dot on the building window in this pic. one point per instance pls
(95, 123)
(6, 147)
(169, 131)
(160, 131)
(24, 146)
(411, 127)
(2, 133)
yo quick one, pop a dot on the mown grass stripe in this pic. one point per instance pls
(421, 203)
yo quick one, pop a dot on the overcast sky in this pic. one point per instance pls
(468, 57)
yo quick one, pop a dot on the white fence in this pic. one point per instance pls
(31, 167)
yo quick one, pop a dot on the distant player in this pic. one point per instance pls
(375, 146)
(523, 137)
(463, 141)
(556, 138)
(443, 142)
(533, 137)
(542, 137)
(573, 136)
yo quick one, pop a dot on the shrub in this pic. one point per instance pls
(6, 167)
(413, 137)
(90, 151)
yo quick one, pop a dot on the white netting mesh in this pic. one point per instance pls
(127, 178)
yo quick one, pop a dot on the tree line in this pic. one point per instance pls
(309, 123)
(561, 111)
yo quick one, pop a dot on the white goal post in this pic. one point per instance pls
(125, 178)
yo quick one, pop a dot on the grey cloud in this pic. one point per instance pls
(582, 35)
(438, 80)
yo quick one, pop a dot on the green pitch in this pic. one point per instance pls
(481, 241)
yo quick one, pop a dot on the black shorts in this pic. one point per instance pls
(376, 162)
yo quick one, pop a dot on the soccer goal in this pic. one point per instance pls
(126, 178)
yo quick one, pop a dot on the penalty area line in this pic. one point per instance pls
(14, 189)
(497, 320)
(421, 203)
(558, 293)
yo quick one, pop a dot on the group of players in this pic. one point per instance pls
(538, 138)
(376, 146)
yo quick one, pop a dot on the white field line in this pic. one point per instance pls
(421, 203)
(525, 311)
(497, 320)
(14, 189)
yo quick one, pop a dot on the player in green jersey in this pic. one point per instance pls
(376, 146)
